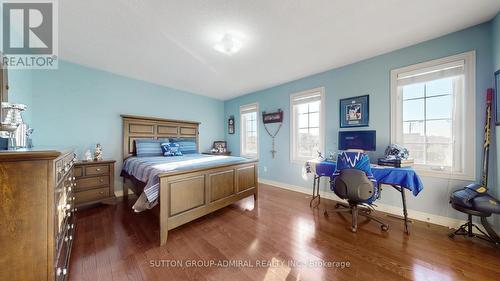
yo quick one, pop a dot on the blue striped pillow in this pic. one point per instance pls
(187, 145)
(148, 148)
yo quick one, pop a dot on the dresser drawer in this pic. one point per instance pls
(93, 182)
(96, 170)
(78, 171)
(91, 195)
(63, 253)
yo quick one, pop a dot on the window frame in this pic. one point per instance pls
(293, 124)
(469, 121)
(242, 134)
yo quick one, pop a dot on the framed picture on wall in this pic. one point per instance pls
(497, 91)
(230, 125)
(354, 112)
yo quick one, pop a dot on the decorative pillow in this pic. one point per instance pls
(187, 145)
(147, 148)
(170, 149)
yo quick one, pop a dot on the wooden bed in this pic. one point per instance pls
(189, 194)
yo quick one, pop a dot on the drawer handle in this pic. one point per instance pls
(101, 180)
(98, 169)
(62, 271)
(101, 192)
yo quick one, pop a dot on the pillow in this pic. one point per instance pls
(147, 148)
(187, 145)
(170, 149)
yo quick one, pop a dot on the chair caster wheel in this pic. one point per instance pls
(384, 227)
(325, 213)
(367, 211)
(451, 235)
(354, 229)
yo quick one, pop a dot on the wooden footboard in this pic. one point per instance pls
(188, 195)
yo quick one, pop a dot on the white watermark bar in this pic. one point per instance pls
(242, 263)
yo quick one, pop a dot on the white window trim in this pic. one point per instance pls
(242, 108)
(301, 160)
(469, 132)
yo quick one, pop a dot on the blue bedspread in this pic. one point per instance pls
(147, 169)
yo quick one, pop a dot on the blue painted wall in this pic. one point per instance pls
(80, 106)
(371, 77)
(21, 89)
(495, 30)
(495, 25)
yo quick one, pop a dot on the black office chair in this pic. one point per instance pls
(355, 186)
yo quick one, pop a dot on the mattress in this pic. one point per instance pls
(147, 169)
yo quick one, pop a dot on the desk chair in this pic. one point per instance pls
(354, 182)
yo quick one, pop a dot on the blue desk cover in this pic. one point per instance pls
(404, 177)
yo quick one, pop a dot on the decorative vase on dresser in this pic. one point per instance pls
(94, 182)
(36, 214)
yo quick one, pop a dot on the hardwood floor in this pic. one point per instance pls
(113, 243)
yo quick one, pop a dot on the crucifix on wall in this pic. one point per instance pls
(269, 118)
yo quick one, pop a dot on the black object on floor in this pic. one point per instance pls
(467, 229)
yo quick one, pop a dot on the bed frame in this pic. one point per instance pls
(190, 194)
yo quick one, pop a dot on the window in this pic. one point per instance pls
(433, 115)
(249, 130)
(307, 124)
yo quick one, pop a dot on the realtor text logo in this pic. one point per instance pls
(29, 34)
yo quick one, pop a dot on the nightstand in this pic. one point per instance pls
(227, 153)
(94, 182)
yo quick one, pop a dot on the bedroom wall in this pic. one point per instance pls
(81, 106)
(495, 29)
(371, 77)
(495, 25)
(20, 90)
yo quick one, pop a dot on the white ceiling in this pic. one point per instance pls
(170, 42)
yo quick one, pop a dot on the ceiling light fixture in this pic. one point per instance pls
(228, 45)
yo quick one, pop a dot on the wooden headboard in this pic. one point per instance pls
(139, 127)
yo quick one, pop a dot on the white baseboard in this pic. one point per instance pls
(412, 214)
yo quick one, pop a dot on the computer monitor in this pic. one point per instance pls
(363, 140)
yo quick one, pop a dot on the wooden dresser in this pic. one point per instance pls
(36, 214)
(94, 182)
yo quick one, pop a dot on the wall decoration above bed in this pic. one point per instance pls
(354, 112)
(230, 125)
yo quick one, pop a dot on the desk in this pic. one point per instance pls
(399, 178)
